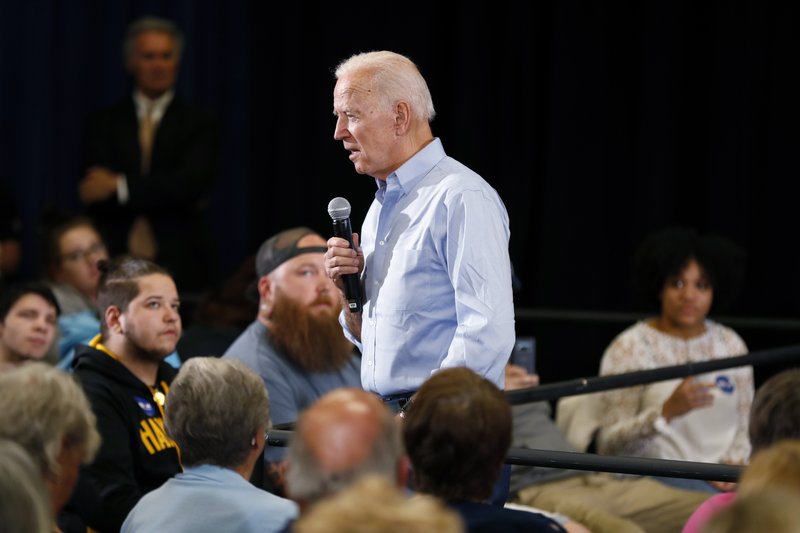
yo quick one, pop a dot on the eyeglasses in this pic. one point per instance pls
(76, 255)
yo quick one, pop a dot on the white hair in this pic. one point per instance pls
(395, 78)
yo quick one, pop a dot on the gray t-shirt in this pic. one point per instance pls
(290, 388)
(534, 429)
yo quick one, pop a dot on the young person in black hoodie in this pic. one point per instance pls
(124, 376)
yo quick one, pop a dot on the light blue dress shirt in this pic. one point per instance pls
(209, 498)
(437, 276)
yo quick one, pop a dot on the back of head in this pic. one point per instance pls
(24, 504)
(345, 435)
(775, 413)
(150, 24)
(457, 433)
(772, 510)
(666, 252)
(213, 409)
(395, 78)
(777, 466)
(42, 409)
(283, 246)
(119, 283)
(374, 505)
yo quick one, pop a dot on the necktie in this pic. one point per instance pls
(141, 240)
(147, 129)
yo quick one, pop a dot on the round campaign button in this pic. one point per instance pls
(725, 384)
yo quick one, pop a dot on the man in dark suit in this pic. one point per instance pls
(151, 161)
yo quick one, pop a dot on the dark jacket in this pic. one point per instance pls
(174, 195)
(482, 517)
(135, 456)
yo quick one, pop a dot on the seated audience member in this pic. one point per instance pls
(773, 510)
(345, 435)
(24, 504)
(457, 432)
(72, 247)
(295, 343)
(126, 380)
(218, 413)
(221, 316)
(374, 505)
(28, 315)
(45, 411)
(605, 503)
(700, 418)
(775, 416)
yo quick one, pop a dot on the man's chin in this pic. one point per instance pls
(324, 311)
(159, 355)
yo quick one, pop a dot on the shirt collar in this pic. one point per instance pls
(409, 174)
(158, 105)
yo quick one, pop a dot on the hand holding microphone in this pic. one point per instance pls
(339, 211)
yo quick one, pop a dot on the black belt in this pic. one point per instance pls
(397, 402)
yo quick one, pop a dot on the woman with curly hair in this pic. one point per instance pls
(700, 418)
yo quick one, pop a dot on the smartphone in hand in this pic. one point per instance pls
(524, 354)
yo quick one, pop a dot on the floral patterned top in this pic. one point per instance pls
(630, 418)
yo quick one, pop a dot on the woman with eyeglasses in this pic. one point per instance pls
(72, 248)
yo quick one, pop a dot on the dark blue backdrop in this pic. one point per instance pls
(60, 60)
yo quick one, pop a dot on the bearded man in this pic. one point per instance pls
(295, 343)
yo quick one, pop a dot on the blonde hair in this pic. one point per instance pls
(777, 466)
(44, 409)
(773, 510)
(373, 505)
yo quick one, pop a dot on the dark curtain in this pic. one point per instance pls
(59, 60)
(597, 122)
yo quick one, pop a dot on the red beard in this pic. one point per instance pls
(314, 342)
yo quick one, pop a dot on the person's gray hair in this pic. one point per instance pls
(395, 78)
(147, 24)
(44, 409)
(24, 502)
(309, 481)
(213, 409)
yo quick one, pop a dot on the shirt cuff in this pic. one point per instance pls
(122, 189)
(347, 333)
(660, 424)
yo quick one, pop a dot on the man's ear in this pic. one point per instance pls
(402, 117)
(114, 319)
(266, 295)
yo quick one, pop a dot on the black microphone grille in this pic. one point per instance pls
(339, 208)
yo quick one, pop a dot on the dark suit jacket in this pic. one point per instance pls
(174, 195)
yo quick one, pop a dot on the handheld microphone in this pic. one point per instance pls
(339, 210)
